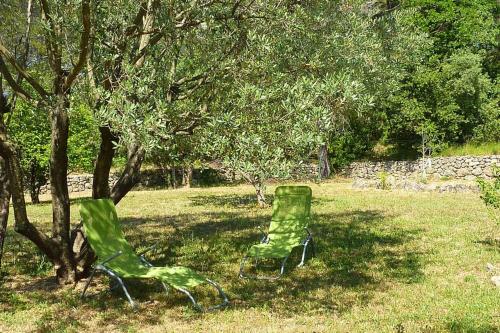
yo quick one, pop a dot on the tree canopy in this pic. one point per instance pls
(260, 86)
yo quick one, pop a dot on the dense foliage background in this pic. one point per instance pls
(368, 79)
(451, 96)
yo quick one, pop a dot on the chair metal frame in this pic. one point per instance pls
(101, 267)
(265, 240)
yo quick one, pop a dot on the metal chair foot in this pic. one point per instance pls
(225, 300)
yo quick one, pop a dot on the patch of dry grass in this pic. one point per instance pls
(386, 262)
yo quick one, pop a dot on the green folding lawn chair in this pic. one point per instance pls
(288, 229)
(117, 258)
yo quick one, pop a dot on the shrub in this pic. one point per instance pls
(384, 183)
(490, 190)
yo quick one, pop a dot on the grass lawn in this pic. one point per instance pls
(488, 148)
(386, 262)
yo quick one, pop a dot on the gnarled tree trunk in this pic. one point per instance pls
(187, 176)
(260, 190)
(83, 254)
(130, 175)
(64, 264)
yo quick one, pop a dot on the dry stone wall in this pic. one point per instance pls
(437, 168)
(83, 182)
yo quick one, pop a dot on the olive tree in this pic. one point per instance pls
(140, 64)
(300, 79)
(58, 22)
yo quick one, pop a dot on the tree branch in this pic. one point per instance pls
(25, 55)
(152, 42)
(137, 20)
(25, 75)
(84, 45)
(18, 90)
(52, 47)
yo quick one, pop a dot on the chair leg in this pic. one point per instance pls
(249, 276)
(195, 304)
(120, 281)
(282, 270)
(303, 256)
(113, 275)
(167, 289)
(225, 300)
(304, 251)
(313, 247)
(91, 277)
(308, 242)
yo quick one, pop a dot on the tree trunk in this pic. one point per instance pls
(34, 187)
(260, 191)
(4, 205)
(100, 185)
(65, 263)
(323, 162)
(34, 195)
(174, 178)
(84, 256)
(130, 175)
(187, 176)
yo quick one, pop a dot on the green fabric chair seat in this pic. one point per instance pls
(269, 251)
(288, 228)
(103, 232)
(176, 276)
(282, 238)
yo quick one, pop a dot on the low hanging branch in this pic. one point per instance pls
(16, 87)
(9, 57)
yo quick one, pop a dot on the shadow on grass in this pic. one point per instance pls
(358, 252)
(229, 200)
(240, 201)
(354, 257)
(490, 243)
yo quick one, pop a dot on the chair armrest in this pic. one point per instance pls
(108, 259)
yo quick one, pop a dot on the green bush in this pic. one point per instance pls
(485, 148)
(83, 141)
(384, 183)
(30, 130)
(490, 191)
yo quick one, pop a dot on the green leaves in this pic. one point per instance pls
(490, 191)
(302, 75)
(82, 147)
